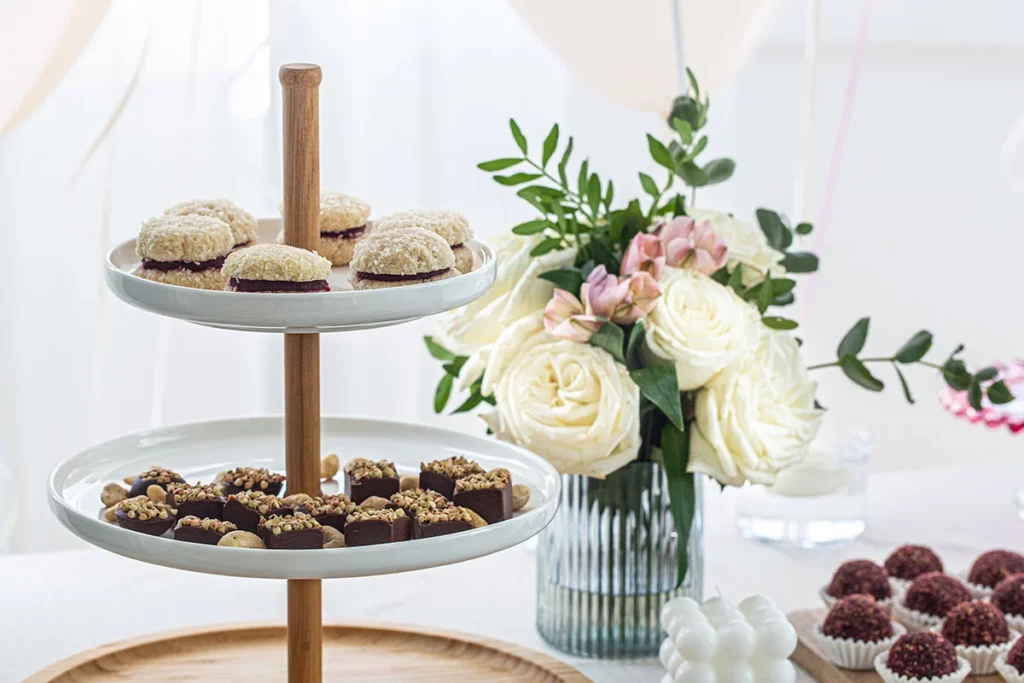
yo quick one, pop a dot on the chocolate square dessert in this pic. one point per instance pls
(245, 509)
(192, 529)
(370, 527)
(330, 510)
(159, 476)
(365, 478)
(489, 495)
(202, 501)
(414, 500)
(144, 516)
(292, 532)
(251, 479)
(431, 522)
(441, 475)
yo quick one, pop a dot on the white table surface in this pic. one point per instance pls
(53, 605)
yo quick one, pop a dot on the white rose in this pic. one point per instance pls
(570, 403)
(516, 292)
(757, 417)
(748, 247)
(699, 325)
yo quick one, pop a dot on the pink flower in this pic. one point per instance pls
(622, 301)
(565, 317)
(646, 254)
(689, 244)
(643, 293)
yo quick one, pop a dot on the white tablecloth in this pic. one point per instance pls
(53, 605)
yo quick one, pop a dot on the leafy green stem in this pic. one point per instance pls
(581, 205)
(890, 359)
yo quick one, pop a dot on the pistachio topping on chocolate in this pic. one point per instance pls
(282, 524)
(257, 500)
(159, 475)
(206, 524)
(363, 515)
(144, 510)
(330, 505)
(455, 467)
(419, 499)
(180, 493)
(451, 513)
(495, 479)
(252, 478)
(361, 468)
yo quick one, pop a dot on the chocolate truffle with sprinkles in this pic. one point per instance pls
(858, 617)
(450, 225)
(1009, 595)
(154, 476)
(995, 565)
(911, 561)
(277, 268)
(251, 479)
(1015, 657)
(935, 594)
(975, 623)
(241, 222)
(860, 577)
(188, 251)
(922, 655)
(393, 258)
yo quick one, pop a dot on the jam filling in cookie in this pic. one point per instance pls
(279, 286)
(386, 277)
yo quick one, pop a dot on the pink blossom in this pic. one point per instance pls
(622, 301)
(643, 293)
(646, 254)
(565, 317)
(689, 244)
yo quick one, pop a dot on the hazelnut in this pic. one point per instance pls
(156, 494)
(112, 494)
(520, 496)
(500, 472)
(477, 520)
(130, 479)
(241, 539)
(409, 482)
(333, 538)
(329, 466)
(374, 503)
(297, 499)
(108, 514)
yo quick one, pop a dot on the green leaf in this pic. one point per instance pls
(719, 170)
(955, 373)
(472, 402)
(772, 227)
(697, 149)
(903, 381)
(438, 351)
(584, 177)
(518, 135)
(565, 162)
(1000, 394)
(569, 279)
(516, 178)
(986, 374)
(974, 394)
(853, 342)
(693, 83)
(764, 295)
(532, 227)
(784, 299)
(603, 256)
(692, 174)
(544, 192)
(684, 129)
(636, 339)
(777, 323)
(735, 280)
(594, 193)
(650, 187)
(546, 245)
(659, 385)
(800, 262)
(675, 450)
(498, 164)
(679, 206)
(609, 194)
(804, 228)
(610, 338)
(915, 348)
(443, 391)
(659, 152)
(859, 373)
(455, 367)
(550, 144)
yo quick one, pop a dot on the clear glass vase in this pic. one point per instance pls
(607, 563)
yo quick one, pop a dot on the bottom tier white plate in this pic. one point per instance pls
(198, 451)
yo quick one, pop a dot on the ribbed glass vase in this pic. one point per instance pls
(607, 564)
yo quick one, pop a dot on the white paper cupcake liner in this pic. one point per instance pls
(830, 601)
(978, 592)
(1009, 674)
(899, 586)
(889, 676)
(982, 658)
(1016, 622)
(914, 621)
(856, 655)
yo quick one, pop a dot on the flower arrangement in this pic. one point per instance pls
(651, 329)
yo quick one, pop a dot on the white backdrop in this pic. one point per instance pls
(414, 94)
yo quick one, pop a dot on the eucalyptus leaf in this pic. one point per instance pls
(915, 348)
(692, 174)
(859, 373)
(684, 129)
(569, 279)
(498, 164)
(610, 338)
(659, 152)
(438, 351)
(650, 187)
(772, 227)
(903, 382)
(659, 385)
(800, 262)
(516, 178)
(777, 323)
(784, 299)
(443, 391)
(804, 228)
(550, 144)
(532, 227)
(719, 170)
(675, 449)
(693, 82)
(518, 135)
(697, 148)
(764, 295)
(854, 340)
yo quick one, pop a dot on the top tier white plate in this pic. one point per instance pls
(339, 310)
(198, 451)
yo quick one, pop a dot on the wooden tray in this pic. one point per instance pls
(810, 657)
(353, 651)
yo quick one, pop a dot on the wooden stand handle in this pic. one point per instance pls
(301, 99)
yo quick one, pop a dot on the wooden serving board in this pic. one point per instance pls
(352, 651)
(810, 657)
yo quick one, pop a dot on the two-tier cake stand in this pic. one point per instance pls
(199, 451)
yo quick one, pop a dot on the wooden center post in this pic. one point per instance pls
(301, 102)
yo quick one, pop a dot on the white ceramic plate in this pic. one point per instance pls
(338, 310)
(198, 451)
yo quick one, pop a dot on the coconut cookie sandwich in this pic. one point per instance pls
(276, 268)
(241, 222)
(393, 258)
(342, 224)
(450, 225)
(187, 251)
